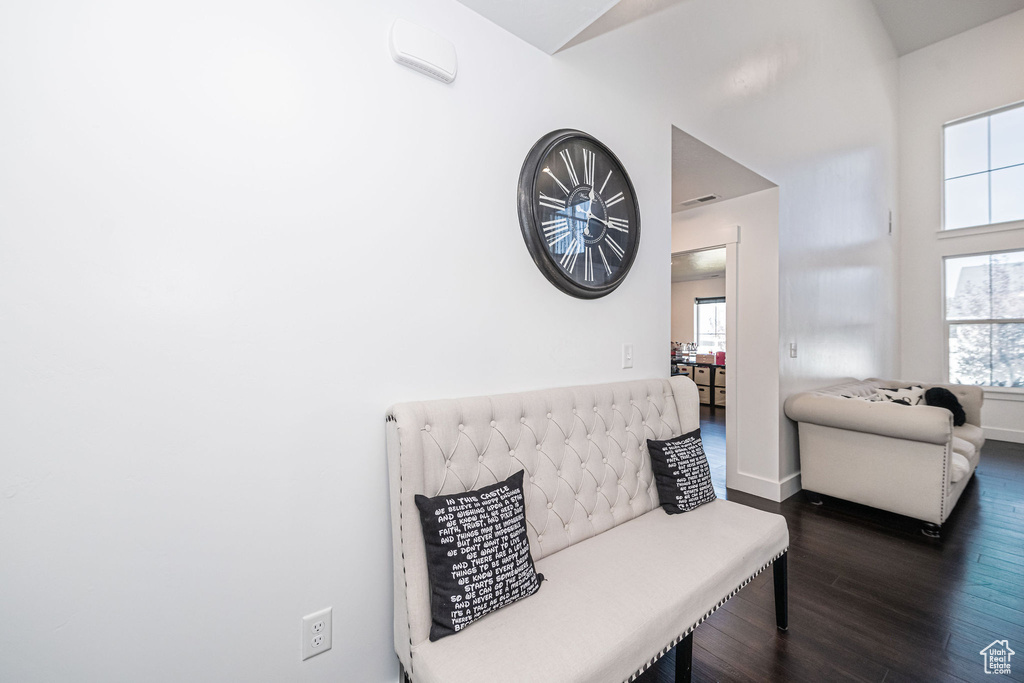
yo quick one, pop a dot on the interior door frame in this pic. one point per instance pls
(728, 237)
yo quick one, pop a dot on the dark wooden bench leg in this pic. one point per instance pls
(684, 659)
(931, 530)
(781, 573)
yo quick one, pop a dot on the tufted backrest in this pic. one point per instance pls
(583, 450)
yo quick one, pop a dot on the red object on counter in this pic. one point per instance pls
(720, 358)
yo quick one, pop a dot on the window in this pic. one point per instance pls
(710, 324)
(985, 318)
(984, 169)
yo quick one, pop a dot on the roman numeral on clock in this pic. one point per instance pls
(589, 162)
(607, 269)
(615, 200)
(555, 224)
(551, 202)
(620, 224)
(588, 265)
(556, 230)
(572, 262)
(571, 254)
(614, 246)
(567, 158)
(555, 178)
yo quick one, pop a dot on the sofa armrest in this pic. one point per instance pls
(927, 424)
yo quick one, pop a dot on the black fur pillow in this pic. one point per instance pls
(944, 398)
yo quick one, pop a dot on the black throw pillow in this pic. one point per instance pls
(944, 398)
(478, 555)
(681, 472)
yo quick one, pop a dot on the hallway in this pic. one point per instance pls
(712, 434)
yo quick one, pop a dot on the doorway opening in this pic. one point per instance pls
(699, 338)
(709, 200)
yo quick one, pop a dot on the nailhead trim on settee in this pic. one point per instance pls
(664, 651)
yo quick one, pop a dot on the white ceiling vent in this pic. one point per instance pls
(700, 200)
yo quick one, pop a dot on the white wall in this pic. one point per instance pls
(810, 102)
(805, 94)
(967, 74)
(683, 294)
(838, 263)
(232, 233)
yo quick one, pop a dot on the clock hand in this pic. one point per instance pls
(592, 196)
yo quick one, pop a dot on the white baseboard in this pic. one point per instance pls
(1011, 435)
(777, 491)
(790, 485)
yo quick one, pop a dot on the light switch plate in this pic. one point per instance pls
(627, 356)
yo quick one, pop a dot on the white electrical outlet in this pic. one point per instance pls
(627, 356)
(316, 633)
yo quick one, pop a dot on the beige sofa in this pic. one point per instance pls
(624, 581)
(910, 460)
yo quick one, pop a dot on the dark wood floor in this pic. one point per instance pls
(712, 434)
(871, 599)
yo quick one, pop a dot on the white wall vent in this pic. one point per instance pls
(700, 200)
(423, 50)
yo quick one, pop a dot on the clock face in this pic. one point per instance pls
(578, 213)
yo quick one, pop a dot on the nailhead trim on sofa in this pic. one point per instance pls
(668, 648)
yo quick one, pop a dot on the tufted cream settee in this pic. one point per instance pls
(624, 581)
(910, 460)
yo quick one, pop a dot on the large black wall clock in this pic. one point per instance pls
(579, 214)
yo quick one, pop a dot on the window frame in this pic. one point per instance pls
(697, 301)
(1016, 393)
(982, 227)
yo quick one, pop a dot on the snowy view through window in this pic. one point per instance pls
(985, 317)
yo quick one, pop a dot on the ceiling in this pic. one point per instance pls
(913, 24)
(555, 25)
(542, 23)
(698, 265)
(624, 12)
(699, 170)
